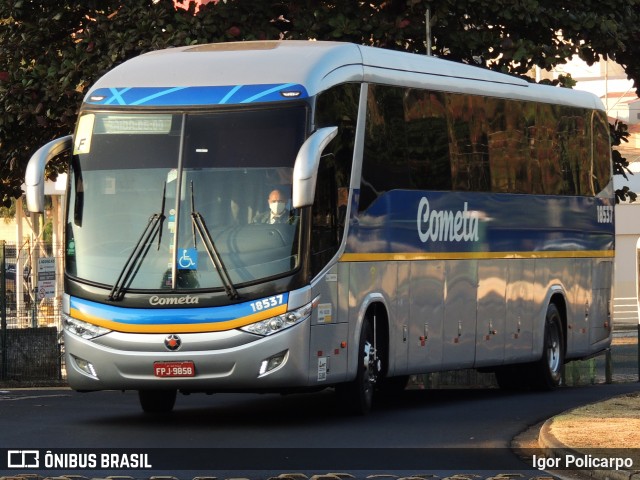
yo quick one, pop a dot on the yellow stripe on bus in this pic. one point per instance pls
(403, 257)
(178, 327)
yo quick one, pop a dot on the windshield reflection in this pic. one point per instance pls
(201, 187)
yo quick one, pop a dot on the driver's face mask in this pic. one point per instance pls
(277, 207)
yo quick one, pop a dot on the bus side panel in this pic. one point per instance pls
(549, 280)
(459, 340)
(546, 284)
(579, 295)
(600, 313)
(402, 315)
(327, 357)
(375, 282)
(490, 330)
(329, 330)
(426, 316)
(389, 275)
(520, 311)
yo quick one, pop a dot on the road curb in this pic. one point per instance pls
(554, 448)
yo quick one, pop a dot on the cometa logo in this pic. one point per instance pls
(447, 225)
(186, 300)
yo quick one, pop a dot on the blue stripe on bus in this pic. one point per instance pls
(193, 315)
(406, 222)
(195, 96)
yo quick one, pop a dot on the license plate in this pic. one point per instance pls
(174, 369)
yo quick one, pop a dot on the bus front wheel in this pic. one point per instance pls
(157, 401)
(357, 395)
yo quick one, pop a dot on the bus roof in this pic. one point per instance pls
(315, 66)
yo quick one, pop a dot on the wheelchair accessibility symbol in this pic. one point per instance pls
(188, 259)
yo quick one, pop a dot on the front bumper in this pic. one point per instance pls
(224, 361)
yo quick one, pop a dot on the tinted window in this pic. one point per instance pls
(337, 107)
(418, 139)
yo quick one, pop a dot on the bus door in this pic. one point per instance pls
(330, 326)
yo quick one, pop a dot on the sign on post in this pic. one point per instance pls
(46, 278)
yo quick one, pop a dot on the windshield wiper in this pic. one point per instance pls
(139, 252)
(200, 226)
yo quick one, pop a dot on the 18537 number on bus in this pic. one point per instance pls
(267, 303)
(605, 214)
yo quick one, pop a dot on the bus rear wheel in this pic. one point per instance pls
(157, 401)
(547, 372)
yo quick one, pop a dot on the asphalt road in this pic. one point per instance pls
(256, 436)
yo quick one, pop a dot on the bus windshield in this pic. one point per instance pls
(182, 200)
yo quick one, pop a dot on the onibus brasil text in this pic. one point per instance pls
(75, 460)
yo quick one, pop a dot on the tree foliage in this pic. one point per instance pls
(619, 133)
(51, 52)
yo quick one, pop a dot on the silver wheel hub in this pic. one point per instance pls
(553, 348)
(371, 364)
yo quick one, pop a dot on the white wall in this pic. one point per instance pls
(627, 216)
(625, 277)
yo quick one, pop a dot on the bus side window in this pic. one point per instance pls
(337, 106)
(601, 149)
(385, 164)
(325, 236)
(406, 143)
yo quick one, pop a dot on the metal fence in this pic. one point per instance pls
(31, 288)
(31, 284)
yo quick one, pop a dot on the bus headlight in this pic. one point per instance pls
(281, 322)
(82, 329)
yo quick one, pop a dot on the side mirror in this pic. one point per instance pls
(305, 170)
(34, 176)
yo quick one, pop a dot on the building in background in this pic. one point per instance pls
(185, 3)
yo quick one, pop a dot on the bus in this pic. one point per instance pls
(439, 216)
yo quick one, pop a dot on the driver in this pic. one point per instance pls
(278, 211)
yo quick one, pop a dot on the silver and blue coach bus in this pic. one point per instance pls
(439, 216)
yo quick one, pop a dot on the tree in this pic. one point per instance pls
(53, 51)
(620, 133)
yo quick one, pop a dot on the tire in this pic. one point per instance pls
(357, 395)
(547, 372)
(157, 401)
